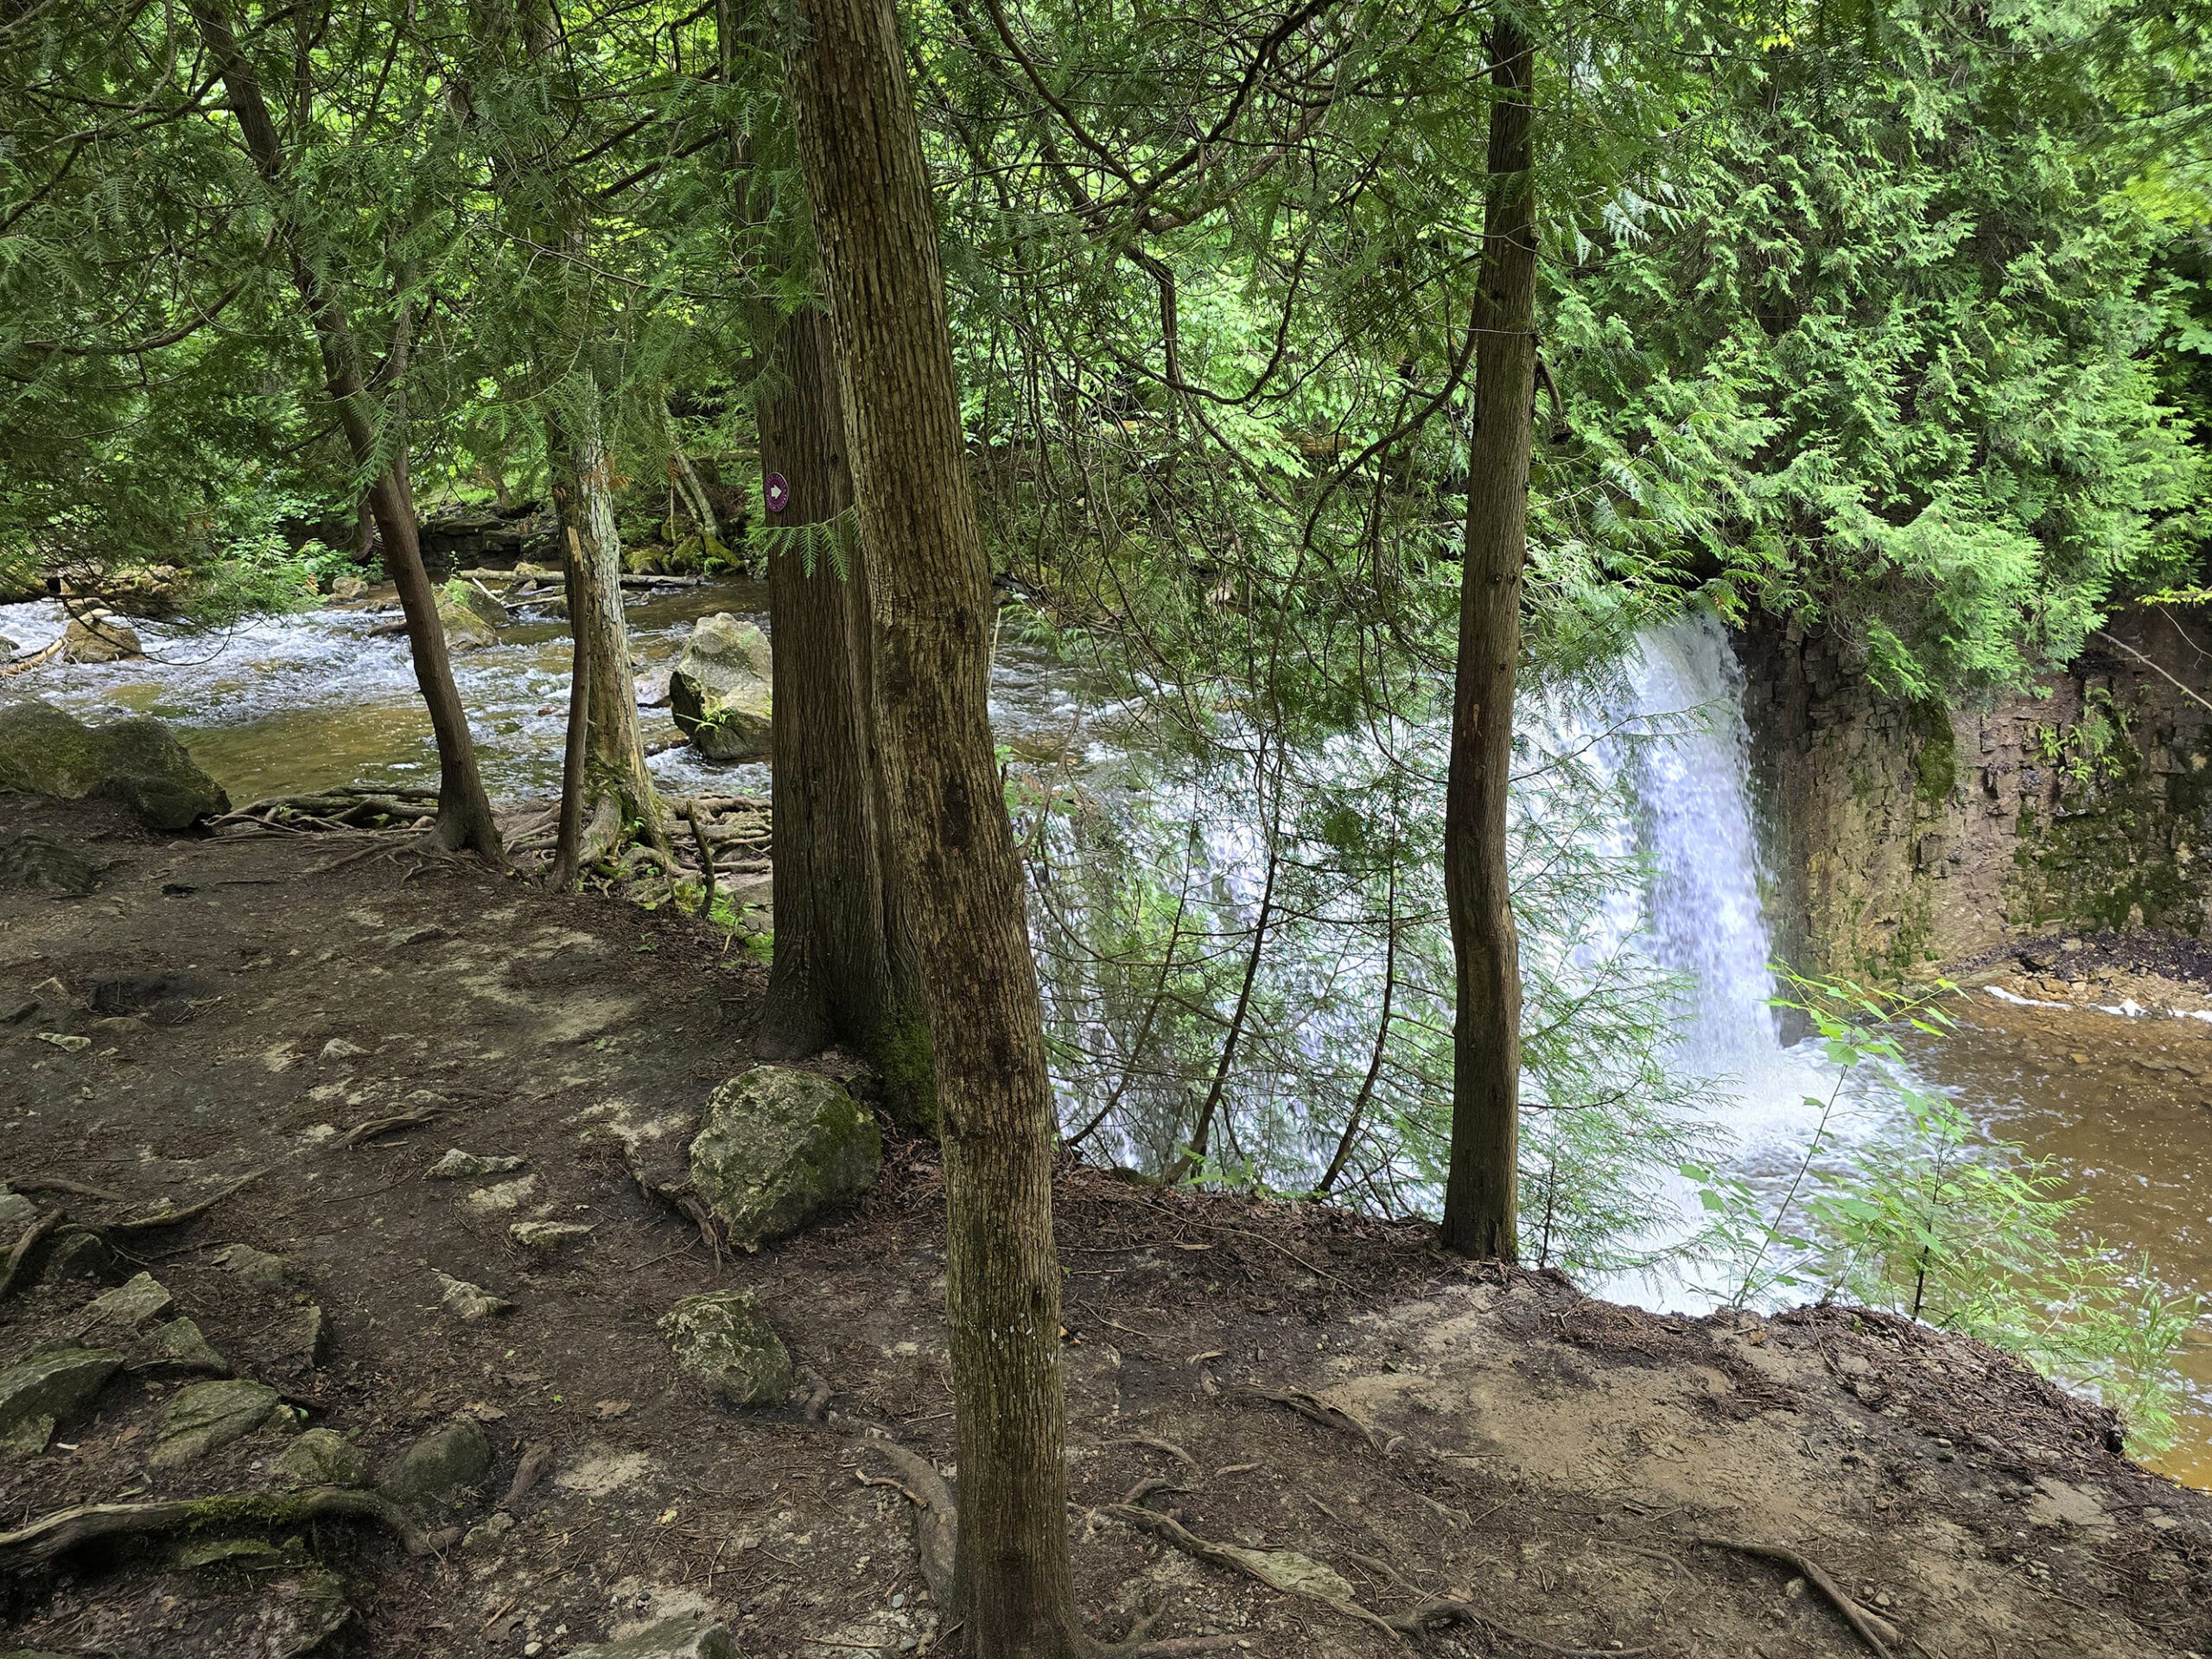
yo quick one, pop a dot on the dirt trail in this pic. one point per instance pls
(1301, 1380)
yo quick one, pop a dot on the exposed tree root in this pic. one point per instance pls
(32, 1237)
(1158, 1444)
(937, 1520)
(177, 1217)
(374, 1127)
(55, 1535)
(1871, 1628)
(1251, 1563)
(1322, 1412)
(55, 1183)
(537, 1458)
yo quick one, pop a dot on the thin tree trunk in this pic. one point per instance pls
(875, 226)
(619, 789)
(1482, 1191)
(567, 846)
(839, 973)
(684, 477)
(464, 812)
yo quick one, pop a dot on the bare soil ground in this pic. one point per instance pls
(1551, 1460)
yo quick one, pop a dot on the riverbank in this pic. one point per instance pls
(1302, 1381)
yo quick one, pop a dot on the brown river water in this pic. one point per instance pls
(2121, 1106)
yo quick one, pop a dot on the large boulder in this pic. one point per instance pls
(99, 637)
(49, 1387)
(472, 618)
(719, 691)
(46, 751)
(775, 1145)
(724, 1338)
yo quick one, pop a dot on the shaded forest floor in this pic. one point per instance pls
(1554, 1460)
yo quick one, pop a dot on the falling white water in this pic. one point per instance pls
(1695, 824)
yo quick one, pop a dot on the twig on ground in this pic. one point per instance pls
(56, 1184)
(1874, 1630)
(1158, 1444)
(54, 1535)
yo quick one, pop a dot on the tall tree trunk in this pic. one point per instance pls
(875, 228)
(845, 967)
(1482, 1190)
(464, 812)
(618, 790)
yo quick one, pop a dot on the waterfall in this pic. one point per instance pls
(1694, 823)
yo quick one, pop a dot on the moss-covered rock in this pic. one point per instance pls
(472, 618)
(720, 689)
(46, 751)
(725, 1340)
(775, 1145)
(443, 1464)
(100, 637)
(46, 1388)
(207, 1416)
(323, 1457)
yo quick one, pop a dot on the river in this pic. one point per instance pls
(2121, 1105)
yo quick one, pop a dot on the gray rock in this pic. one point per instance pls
(685, 1635)
(16, 1209)
(8, 648)
(469, 1302)
(345, 589)
(468, 622)
(722, 1339)
(100, 637)
(775, 1145)
(54, 1384)
(720, 690)
(323, 1457)
(543, 1237)
(29, 1438)
(31, 861)
(45, 751)
(303, 1334)
(445, 1462)
(76, 1253)
(458, 1165)
(207, 1416)
(133, 1302)
(176, 1346)
(487, 1533)
(257, 1268)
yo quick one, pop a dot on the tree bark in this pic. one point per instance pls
(464, 812)
(1482, 1191)
(875, 228)
(845, 968)
(617, 788)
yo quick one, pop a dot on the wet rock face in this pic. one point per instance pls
(45, 751)
(470, 618)
(719, 691)
(725, 1340)
(775, 1145)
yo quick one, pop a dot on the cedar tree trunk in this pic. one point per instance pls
(845, 968)
(464, 812)
(875, 230)
(1482, 1190)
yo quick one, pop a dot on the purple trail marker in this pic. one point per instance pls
(777, 491)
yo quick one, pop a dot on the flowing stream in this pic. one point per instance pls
(294, 703)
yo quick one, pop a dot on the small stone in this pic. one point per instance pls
(458, 1165)
(62, 1039)
(53, 1384)
(488, 1534)
(1795, 1589)
(345, 589)
(16, 1208)
(323, 1457)
(339, 1049)
(134, 1301)
(100, 637)
(685, 1635)
(176, 1346)
(470, 1302)
(303, 1332)
(118, 1027)
(448, 1460)
(207, 1416)
(257, 1268)
(502, 1199)
(724, 1338)
(546, 1237)
(196, 1552)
